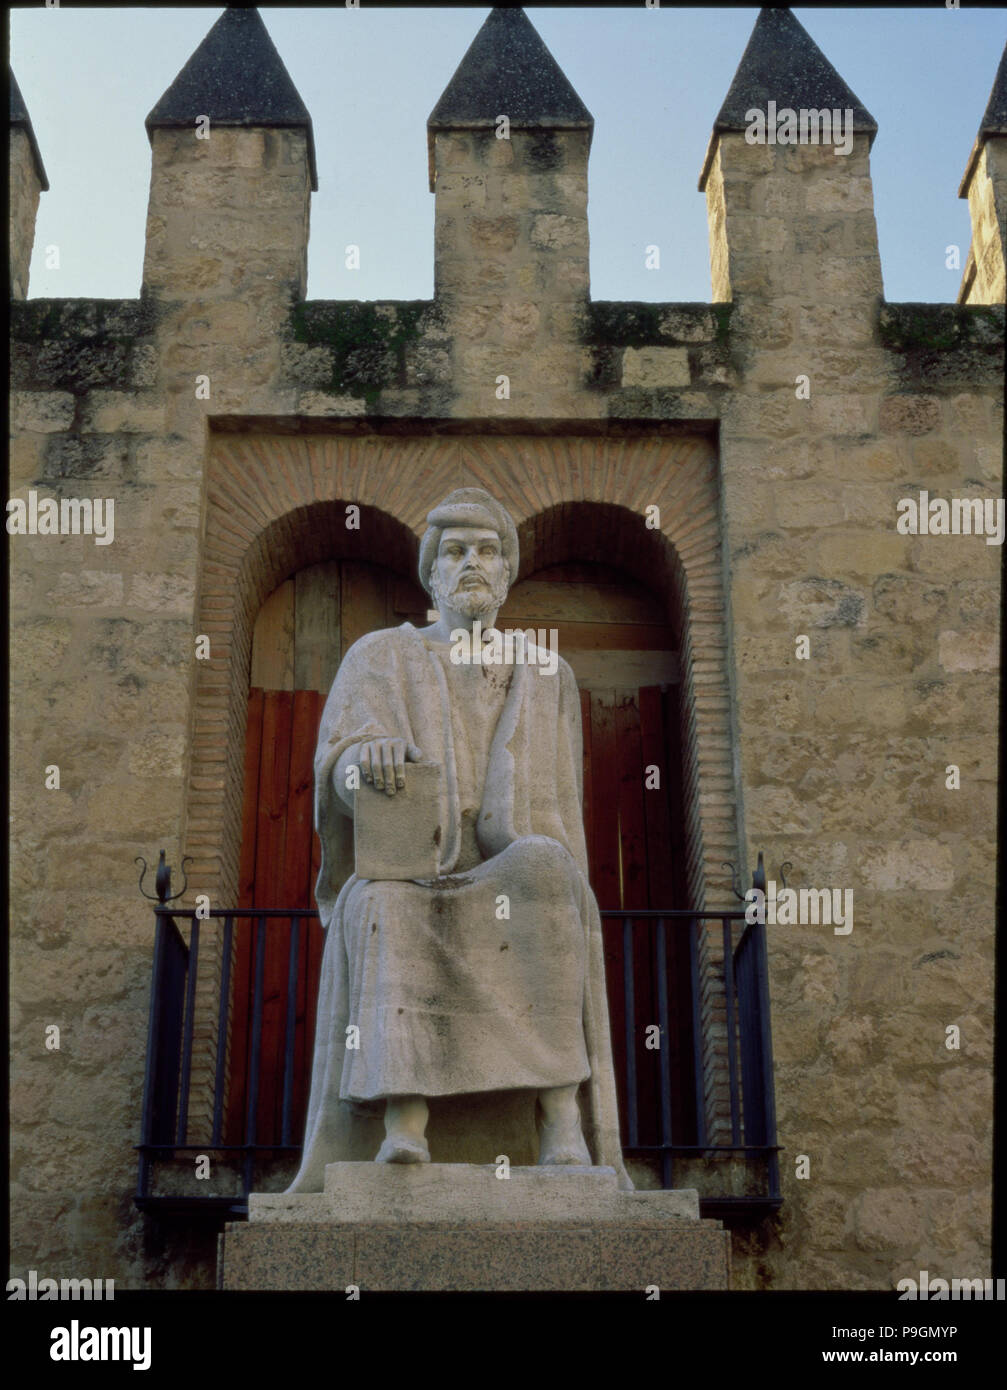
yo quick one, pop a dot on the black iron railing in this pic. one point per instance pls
(168, 1134)
(749, 1057)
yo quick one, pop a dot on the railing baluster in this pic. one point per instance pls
(190, 1009)
(761, 970)
(697, 1031)
(223, 1021)
(732, 1061)
(252, 1109)
(288, 1046)
(153, 1049)
(629, 995)
(667, 1162)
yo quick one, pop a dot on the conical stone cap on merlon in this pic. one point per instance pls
(782, 63)
(19, 117)
(237, 78)
(508, 71)
(994, 121)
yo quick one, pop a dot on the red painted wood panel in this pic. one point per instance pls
(241, 986)
(271, 850)
(280, 855)
(297, 883)
(585, 727)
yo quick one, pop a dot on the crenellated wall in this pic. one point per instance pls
(777, 429)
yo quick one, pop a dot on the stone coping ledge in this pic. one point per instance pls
(464, 1192)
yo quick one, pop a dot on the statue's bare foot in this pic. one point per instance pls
(402, 1148)
(561, 1139)
(405, 1126)
(558, 1144)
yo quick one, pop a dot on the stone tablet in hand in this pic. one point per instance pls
(399, 837)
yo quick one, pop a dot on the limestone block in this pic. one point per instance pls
(924, 865)
(493, 233)
(835, 324)
(887, 1218)
(43, 412)
(162, 593)
(518, 323)
(87, 589)
(807, 504)
(909, 414)
(655, 366)
(868, 553)
(839, 193)
(968, 651)
(845, 278)
(158, 754)
(107, 412)
(555, 231)
(463, 1192)
(320, 403)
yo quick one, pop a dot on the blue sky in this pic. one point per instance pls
(653, 80)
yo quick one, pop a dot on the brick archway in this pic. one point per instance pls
(277, 502)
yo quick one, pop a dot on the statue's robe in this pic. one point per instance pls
(452, 999)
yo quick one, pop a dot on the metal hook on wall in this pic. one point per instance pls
(162, 879)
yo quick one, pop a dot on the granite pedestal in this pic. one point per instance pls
(461, 1227)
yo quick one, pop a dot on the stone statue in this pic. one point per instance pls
(483, 972)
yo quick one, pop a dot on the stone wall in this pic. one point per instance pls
(986, 184)
(224, 414)
(843, 754)
(24, 191)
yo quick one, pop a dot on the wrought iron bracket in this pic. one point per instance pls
(758, 876)
(162, 879)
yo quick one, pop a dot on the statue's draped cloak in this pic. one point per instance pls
(392, 685)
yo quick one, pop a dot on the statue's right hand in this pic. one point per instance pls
(383, 760)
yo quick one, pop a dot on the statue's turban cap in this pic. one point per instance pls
(468, 506)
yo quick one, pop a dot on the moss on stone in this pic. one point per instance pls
(941, 327)
(77, 345)
(624, 325)
(614, 324)
(367, 341)
(119, 321)
(722, 318)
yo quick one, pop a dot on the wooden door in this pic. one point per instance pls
(301, 634)
(621, 646)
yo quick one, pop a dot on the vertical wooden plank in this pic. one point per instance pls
(605, 797)
(660, 879)
(249, 811)
(316, 626)
(241, 975)
(273, 786)
(670, 700)
(296, 891)
(273, 641)
(364, 601)
(296, 876)
(585, 727)
(272, 808)
(632, 819)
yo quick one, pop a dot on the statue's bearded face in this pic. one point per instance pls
(470, 575)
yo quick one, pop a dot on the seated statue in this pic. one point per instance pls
(484, 973)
